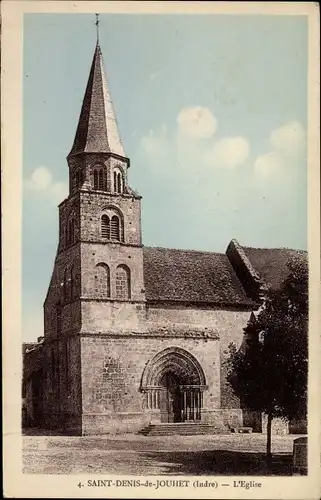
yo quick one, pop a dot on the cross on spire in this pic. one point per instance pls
(97, 27)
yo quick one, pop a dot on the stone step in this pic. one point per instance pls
(184, 433)
(178, 425)
(183, 429)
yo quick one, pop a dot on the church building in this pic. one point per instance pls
(135, 336)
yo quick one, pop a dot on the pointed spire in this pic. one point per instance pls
(97, 130)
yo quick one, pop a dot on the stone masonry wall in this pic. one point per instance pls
(113, 255)
(69, 210)
(100, 317)
(62, 385)
(111, 376)
(228, 324)
(88, 163)
(59, 299)
(92, 205)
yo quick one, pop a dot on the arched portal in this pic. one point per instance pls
(173, 382)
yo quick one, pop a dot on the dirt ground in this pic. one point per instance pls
(149, 455)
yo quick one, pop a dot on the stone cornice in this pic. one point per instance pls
(159, 333)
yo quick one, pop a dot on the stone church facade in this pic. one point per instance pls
(133, 334)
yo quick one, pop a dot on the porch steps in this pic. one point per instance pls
(181, 429)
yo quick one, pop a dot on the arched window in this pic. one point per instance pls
(102, 280)
(100, 180)
(115, 181)
(105, 227)
(70, 233)
(95, 179)
(118, 181)
(79, 179)
(123, 282)
(67, 285)
(115, 228)
(112, 225)
(72, 282)
(64, 286)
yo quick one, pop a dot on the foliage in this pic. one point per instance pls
(269, 372)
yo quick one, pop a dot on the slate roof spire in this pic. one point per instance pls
(97, 130)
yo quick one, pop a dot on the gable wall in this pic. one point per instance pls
(228, 325)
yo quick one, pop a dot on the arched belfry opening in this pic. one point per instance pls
(173, 383)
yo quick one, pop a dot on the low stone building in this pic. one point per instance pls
(134, 334)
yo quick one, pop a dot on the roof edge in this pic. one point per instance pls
(246, 273)
(237, 306)
(206, 252)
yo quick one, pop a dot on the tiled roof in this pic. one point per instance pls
(97, 130)
(271, 263)
(191, 276)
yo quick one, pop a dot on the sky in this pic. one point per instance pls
(212, 111)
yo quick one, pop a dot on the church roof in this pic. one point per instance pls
(271, 263)
(232, 279)
(97, 130)
(191, 276)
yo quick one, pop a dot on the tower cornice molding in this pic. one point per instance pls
(106, 154)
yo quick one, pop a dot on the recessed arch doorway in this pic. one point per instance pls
(173, 383)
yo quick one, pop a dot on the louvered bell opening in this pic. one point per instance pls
(102, 185)
(115, 182)
(119, 183)
(95, 179)
(114, 228)
(105, 227)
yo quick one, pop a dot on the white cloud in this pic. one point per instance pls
(196, 122)
(288, 139)
(268, 166)
(229, 152)
(286, 144)
(41, 181)
(59, 191)
(184, 149)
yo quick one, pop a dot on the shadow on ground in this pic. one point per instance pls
(217, 462)
(35, 431)
(137, 455)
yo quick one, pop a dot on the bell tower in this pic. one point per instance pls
(96, 292)
(111, 255)
(97, 160)
(99, 263)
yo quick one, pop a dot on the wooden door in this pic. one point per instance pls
(170, 404)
